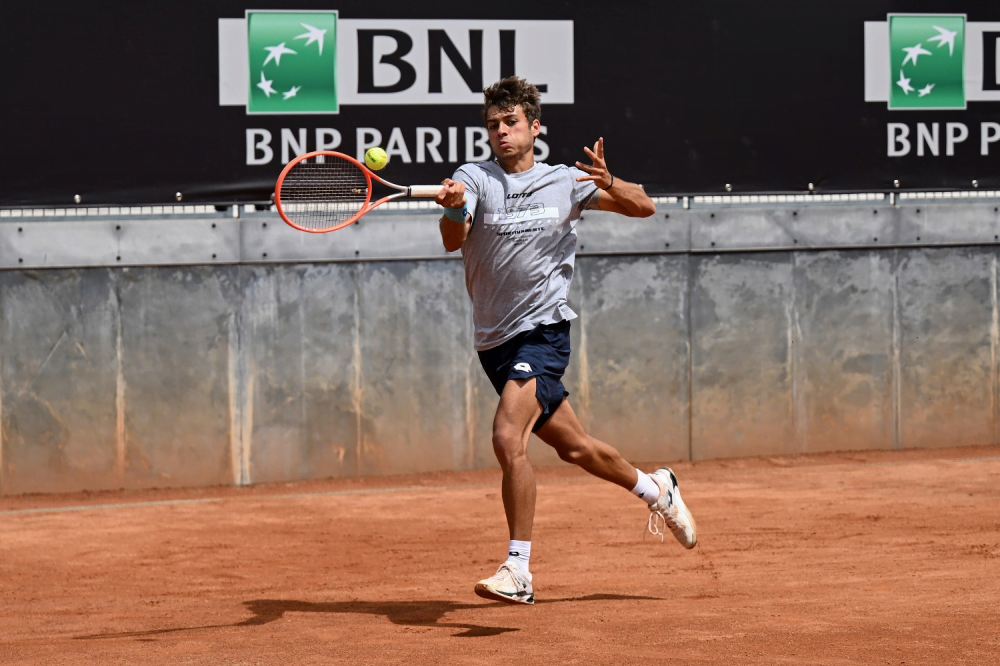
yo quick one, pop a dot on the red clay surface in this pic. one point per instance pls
(862, 558)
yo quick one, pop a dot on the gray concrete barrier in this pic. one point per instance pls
(207, 349)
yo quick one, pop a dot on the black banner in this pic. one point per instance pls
(137, 102)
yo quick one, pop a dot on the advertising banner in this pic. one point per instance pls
(205, 102)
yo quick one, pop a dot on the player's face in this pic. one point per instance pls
(511, 135)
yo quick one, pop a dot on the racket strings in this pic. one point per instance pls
(323, 195)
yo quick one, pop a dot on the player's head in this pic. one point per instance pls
(510, 92)
(512, 112)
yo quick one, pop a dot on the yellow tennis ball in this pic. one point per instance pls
(376, 158)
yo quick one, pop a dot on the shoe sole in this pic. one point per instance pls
(687, 513)
(486, 593)
(694, 530)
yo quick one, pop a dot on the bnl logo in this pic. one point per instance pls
(931, 62)
(313, 62)
(929, 54)
(289, 70)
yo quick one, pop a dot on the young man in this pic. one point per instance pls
(515, 222)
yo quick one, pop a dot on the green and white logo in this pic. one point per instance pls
(293, 62)
(927, 61)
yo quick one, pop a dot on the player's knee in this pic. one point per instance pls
(577, 453)
(507, 446)
(586, 452)
(574, 456)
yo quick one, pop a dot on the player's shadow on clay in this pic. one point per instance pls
(406, 613)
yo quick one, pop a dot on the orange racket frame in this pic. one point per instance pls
(418, 191)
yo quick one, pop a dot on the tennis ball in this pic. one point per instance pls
(376, 158)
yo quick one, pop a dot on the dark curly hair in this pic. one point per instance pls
(508, 93)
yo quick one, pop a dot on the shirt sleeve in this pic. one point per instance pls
(583, 192)
(471, 189)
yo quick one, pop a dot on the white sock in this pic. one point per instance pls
(645, 488)
(519, 552)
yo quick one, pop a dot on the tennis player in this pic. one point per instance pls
(514, 220)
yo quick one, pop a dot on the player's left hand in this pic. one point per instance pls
(599, 169)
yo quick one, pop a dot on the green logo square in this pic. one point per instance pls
(293, 62)
(927, 60)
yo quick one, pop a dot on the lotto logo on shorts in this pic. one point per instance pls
(927, 62)
(293, 62)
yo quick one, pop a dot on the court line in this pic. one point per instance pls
(397, 489)
(208, 500)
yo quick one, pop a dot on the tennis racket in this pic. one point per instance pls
(332, 191)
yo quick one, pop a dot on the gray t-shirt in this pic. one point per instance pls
(521, 247)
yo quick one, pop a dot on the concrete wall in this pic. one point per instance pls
(316, 361)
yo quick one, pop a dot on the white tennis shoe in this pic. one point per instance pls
(669, 510)
(509, 584)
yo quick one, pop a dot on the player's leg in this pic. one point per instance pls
(564, 433)
(516, 414)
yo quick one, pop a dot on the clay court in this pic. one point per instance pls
(862, 558)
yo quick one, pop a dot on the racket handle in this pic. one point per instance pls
(423, 191)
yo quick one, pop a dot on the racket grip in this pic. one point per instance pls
(423, 191)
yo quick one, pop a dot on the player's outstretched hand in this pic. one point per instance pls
(599, 169)
(452, 194)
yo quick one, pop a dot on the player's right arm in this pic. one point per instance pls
(453, 233)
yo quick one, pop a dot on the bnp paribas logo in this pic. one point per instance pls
(927, 61)
(292, 57)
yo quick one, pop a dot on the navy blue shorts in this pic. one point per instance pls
(542, 353)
